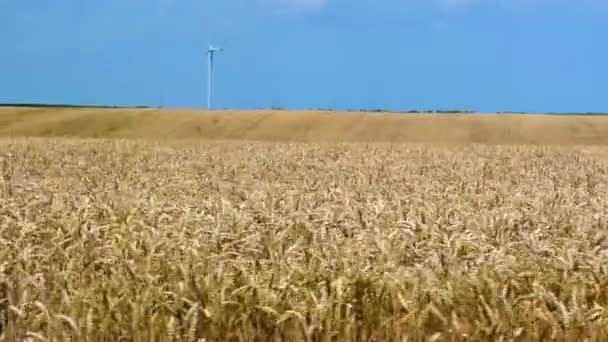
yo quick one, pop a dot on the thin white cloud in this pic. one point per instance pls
(306, 4)
(290, 6)
(281, 7)
(456, 3)
(303, 6)
(519, 4)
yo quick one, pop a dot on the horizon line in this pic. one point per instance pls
(362, 110)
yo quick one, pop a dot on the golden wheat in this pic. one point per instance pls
(304, 126)
(239, 241)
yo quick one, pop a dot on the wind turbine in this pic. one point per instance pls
(210, 52)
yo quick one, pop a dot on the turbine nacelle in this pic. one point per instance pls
(213, 49)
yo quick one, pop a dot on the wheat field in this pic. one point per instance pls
(305, 126)
(139, 240)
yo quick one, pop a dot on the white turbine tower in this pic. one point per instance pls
(212, 50)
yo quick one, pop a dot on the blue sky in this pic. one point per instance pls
(487, 55)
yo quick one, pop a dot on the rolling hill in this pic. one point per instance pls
(307, 126)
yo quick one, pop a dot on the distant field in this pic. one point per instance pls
(309, 126)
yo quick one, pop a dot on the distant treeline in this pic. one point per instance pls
(375, 110)
(437, 111)
(379, 110)
(459, 111)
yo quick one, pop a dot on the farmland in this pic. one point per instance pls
(304, 126)
(418, 228)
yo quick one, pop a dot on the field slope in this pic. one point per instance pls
(308, 126)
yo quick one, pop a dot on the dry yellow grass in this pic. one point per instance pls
(304, 126)
(129, 240)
